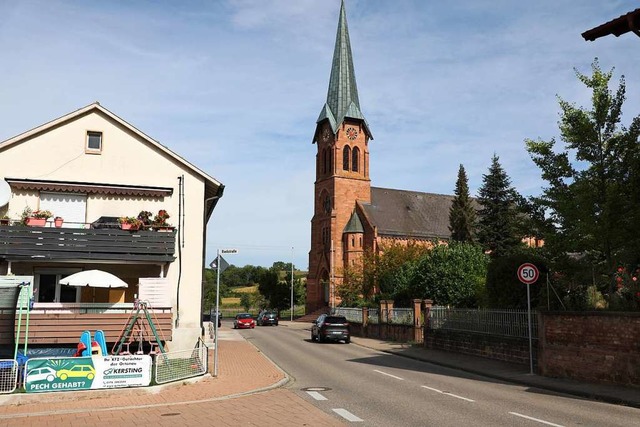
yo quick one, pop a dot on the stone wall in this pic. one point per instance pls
(593, 346)
(384, 331)
(515, 350)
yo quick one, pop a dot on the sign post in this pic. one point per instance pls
(528, 274)
(220, 265)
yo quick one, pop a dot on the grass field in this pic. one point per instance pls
(235, 301)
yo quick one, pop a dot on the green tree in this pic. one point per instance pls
(389, 270)
(209, 291)
(246, 301)
(592, 197)
(452, 274)
(275, 291)
(350, 290)
(299, 289)
(497, 226)
(462, 214)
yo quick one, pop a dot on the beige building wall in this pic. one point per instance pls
(126, 159)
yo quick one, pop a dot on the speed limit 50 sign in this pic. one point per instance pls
(528, 273)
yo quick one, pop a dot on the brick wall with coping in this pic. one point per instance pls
(590, 346)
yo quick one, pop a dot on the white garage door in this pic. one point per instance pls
(71, 207)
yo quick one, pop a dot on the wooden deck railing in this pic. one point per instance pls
(64, 323)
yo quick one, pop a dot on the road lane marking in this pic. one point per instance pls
(536, 419)
(389, 375)
(347, 415)
(316, 395)
(448, 394)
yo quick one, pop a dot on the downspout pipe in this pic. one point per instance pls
(180, 232)
(206, 215)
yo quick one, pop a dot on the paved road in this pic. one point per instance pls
(361, 385)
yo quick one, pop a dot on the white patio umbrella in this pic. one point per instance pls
(94, 279)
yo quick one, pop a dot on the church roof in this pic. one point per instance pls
(409, 213)
(342, 97)
(354, 225)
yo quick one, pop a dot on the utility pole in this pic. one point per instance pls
(215, 321)
(331, 280)
(292, 305)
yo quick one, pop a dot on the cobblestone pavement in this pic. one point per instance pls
(245, 392)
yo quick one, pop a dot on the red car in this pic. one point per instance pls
(244, 321)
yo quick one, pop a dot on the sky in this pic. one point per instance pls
(235, 87)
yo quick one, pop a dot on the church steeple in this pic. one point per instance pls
(342, 97)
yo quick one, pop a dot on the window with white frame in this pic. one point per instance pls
(94, 142)
(48, 289)
(71, 207)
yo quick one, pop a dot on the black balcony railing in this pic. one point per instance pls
(21, 243)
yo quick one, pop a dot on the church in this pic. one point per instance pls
(350, 216)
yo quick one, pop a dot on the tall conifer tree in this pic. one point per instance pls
(497, 229)
(462, 214)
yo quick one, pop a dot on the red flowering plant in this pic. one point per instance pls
(627, 293)
(160, 220)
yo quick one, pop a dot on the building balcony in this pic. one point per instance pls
(51, 244)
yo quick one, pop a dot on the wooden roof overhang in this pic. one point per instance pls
(621, 25)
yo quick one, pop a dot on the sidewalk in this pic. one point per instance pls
(247, 391)
(496, 369)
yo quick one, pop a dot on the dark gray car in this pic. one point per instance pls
(267, 318)
(330, 328)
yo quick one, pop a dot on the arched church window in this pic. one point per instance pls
(325, 161)
(355, 161)
(346, 157)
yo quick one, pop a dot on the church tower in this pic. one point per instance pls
(342, 175)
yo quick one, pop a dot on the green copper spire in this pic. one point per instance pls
(342, 97)
(354, 225)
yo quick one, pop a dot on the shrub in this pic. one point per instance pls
(504, 290)
(452, 274)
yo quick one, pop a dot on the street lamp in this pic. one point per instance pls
(292, 305)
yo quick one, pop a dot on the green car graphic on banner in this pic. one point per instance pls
(59, 374)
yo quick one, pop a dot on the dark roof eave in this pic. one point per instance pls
(621, 25)
(416, 235)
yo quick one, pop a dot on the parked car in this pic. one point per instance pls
(331, 328)
(243, 321)
(267, 317)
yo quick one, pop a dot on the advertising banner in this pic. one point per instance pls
(86, 373)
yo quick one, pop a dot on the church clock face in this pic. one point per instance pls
(352, 133)
(326, 134)
(326, 204)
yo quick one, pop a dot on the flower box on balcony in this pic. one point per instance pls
(36, 222)
(58, 222)
(127, 226)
